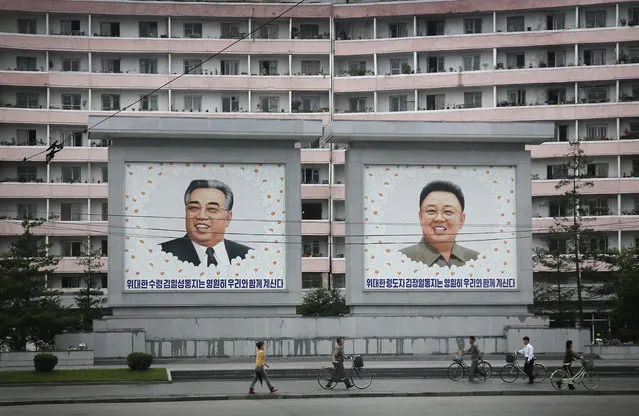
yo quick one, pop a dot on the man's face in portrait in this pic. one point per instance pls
(441, 217)
(206, 216)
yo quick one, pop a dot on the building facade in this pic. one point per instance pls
(575, 62)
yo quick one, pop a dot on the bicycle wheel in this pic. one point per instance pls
(361, 378)
(325, 378)
(539, 373)
(558, 379)
(455, 371)
(509, 373)
(590, 380)
(486, 368)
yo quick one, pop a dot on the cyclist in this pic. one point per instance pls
(338, 364)
(569, 357)
(475, 356)
(528, 352)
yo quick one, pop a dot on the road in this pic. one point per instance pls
(475, 406)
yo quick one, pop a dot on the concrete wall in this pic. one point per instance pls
(615, 352)
(65, 358)
(548, 340)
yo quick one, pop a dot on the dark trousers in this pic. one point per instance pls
(261, 371)
(568, 369)
(473, 369)
(339, 374)
(528, 369)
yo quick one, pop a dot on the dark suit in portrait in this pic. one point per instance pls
(183, 249)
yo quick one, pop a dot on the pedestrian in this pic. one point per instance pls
(569, 357)
(338, 364)
(475, 356)
(260, 373)
(528, 352)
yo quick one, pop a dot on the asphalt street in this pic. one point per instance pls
(475, 406)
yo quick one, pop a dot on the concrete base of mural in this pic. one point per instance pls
(65, 358)
(300, 337)
(615, 352)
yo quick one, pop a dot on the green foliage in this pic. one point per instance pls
(323, 302)
(29, 311)
(45, 363)
(552, 297)
(139, 361)
(90, 300)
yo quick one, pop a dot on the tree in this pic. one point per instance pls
(90, 300)
(29, 311)
(323, 302)
(552, 297)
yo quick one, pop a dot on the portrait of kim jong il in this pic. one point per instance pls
(441, 215)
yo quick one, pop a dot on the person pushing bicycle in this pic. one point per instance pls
(569, 357)
(338, 362)
(475, 356)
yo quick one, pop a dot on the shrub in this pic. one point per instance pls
(45, 363)
(323, 302)
(139, 361)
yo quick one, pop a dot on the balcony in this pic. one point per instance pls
(607, 186)
(58, 228)
(315, 227)
(70, 265)
(600, 223)
(53, 190)
(602, 148)
(70, 154)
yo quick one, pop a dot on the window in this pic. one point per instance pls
(70, 212)
(71, 174)
(192, 103)
(268, 67)
(517, 97)
(310, 67)
(515, 24)
(596, 131)
(193, 66)
(633, 15)
(339, 281)
(71, 65)
(26, 63)
(435, 27)
(148, 29)
(598, 170)
(635, 168)
(596, 19)
(595, 57)
(26, 100)
(230, 67)
(472, 26)
(311, 249)
(396, 66)
(110, 102)
(28, 26)
(149, 103)
(398, 103)
(633, 127)
(598, 206)
(105, 280)
(26, 137)
(472, 99)
(555, 22)
(515, 60)
(111, 65)
(192, 30)
(471, 62)
(104, 245)
(435, 102)
(561, 133)
(310, 103)
(230, 30)
(70, 27)
(556, 96)
(597, 94)
(397, 30)
(71, 101)
(230, 104)
(148, 66)
(269, 104)
(556, 59)
(311, 280)
(556, 172)
(559, 208)
(310, 176)
(111, 29)
(27, 173)
(309, 31)
(72, 249)
(105, 212)
(357, 67)
(558, 245)
(268, 32)
(71, 138)
(312, 210)
(436, 64)
(357, 105)
(598, 243)
(27, 211)
(70, 282)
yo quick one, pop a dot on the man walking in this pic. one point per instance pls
(528, 352)
(338, 363)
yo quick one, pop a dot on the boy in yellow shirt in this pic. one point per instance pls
(260, 373)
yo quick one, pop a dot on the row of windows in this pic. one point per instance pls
(69, 174)
(593, 170)
(69, 211)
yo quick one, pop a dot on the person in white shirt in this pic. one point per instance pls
(528, 352)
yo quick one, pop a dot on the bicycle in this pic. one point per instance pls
(560, 379)
(511, 371)
(458, 369)
(357, 374)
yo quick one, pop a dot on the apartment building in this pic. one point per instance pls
(572, 61)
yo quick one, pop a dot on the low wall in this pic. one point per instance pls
(615, 352)
(65, 358)
(548, 340)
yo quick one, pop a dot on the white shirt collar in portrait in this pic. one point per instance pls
(221, 255)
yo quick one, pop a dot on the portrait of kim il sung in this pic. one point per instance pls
(441, 215)
(208, 206)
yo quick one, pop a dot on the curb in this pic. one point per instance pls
(158, 399)
(82, 383)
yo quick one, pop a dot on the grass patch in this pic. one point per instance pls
(82, 375)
